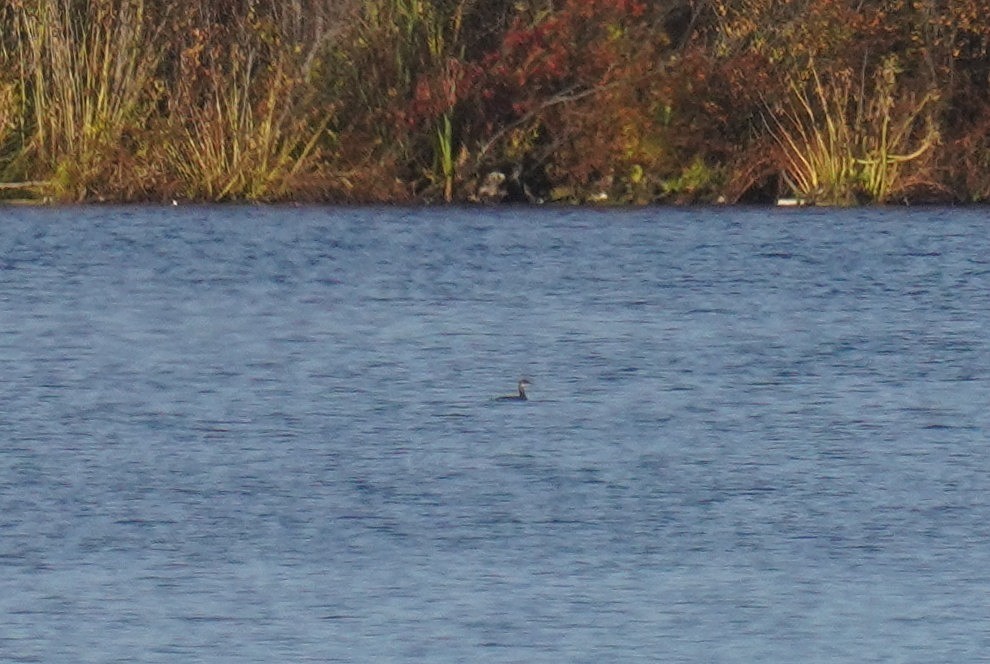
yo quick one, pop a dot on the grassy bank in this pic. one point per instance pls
(463, 100)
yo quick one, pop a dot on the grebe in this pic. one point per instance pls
(523, 384)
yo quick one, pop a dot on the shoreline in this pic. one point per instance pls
(413, 204)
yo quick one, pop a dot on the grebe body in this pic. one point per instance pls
(523, 384)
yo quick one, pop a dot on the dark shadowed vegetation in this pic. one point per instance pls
(628, 101)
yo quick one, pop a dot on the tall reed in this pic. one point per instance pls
(816, 142)
(87, 77)
(254, 137)
(9, 117)
(10, 110)
(902, 131)
(408, 66)
(445, 156)
(840, 141)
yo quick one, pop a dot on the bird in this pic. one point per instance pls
(523, 384)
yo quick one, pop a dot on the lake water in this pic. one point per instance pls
(250, 434)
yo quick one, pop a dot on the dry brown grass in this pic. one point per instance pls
(87, 80)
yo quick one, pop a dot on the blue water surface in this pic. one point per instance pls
(267, 434)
